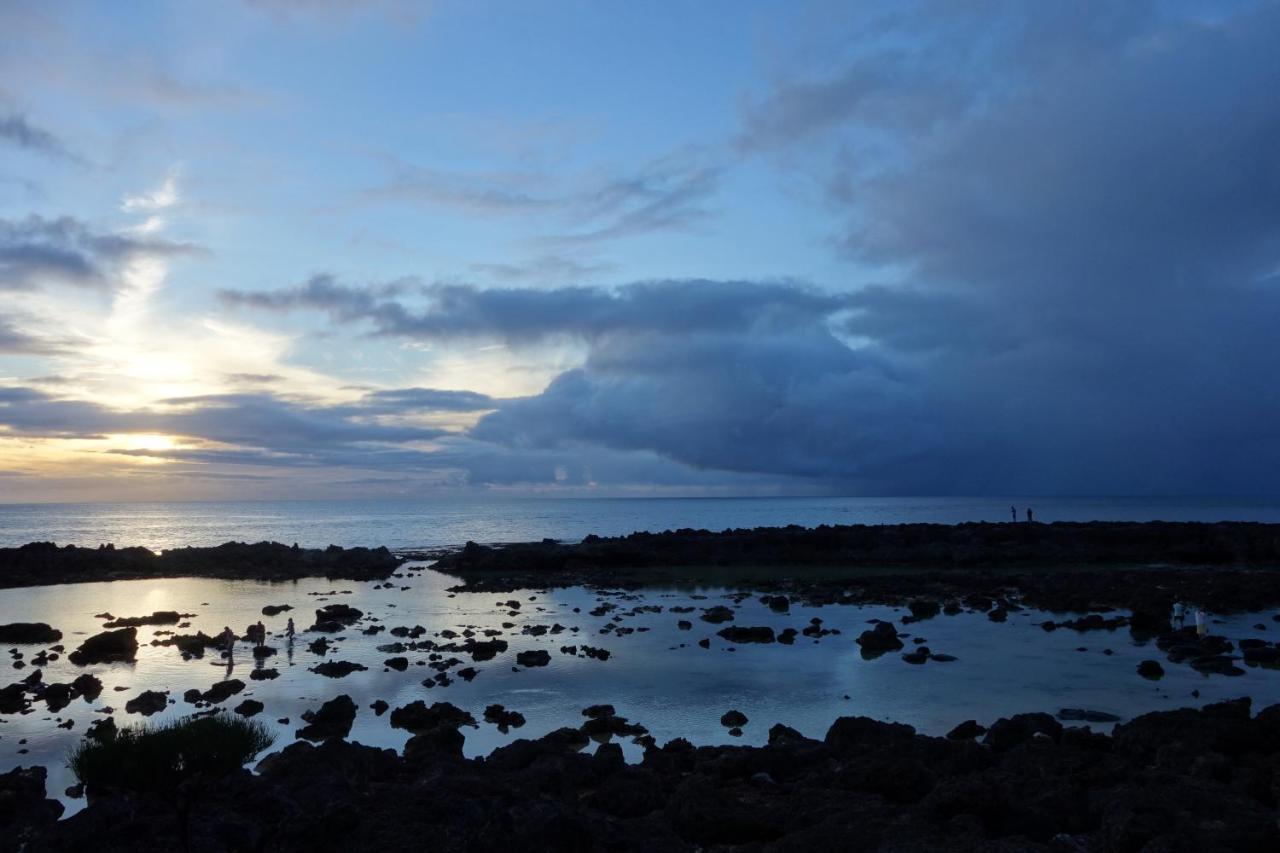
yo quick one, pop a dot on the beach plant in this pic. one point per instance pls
(174, 760)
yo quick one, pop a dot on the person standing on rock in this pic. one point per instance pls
(1201, 627)
(229, 640)
(260, 634)
(1030, 517)
(1179, 614)
(1013, 511)
(288, 629)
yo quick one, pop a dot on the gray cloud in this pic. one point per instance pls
(427, 399)
(36, 250)
(15, 341)
(514, 314)
(17, 130)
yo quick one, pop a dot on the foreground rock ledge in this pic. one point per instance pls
(41, 563)
(1179, 780)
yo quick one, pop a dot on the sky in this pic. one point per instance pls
(386, 248)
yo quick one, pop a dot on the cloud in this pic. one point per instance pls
(15, 341)
(17, 130)
(545, 268)
(668, 193)
(522, 315)
(427, 399)
(36, 250)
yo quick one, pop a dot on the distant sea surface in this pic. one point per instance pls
(410, 524)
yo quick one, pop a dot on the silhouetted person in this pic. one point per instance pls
(260, 634)
(229, 640)
(288, 629)
(1030, 517)
(1013, 512)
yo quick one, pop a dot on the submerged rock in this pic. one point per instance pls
(337, 668)
(160, 617)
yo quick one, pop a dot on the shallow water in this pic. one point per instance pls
(411, 524)
(659, 678)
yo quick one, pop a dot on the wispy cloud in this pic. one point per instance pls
(17, 130)
(668, 193)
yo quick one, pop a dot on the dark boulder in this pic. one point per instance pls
(249, 708)
(332, 720)
(1151, 669)
(148, 702)
(968, 730)
(1007, 732)
(534, 657)
(337, 668)
(29, 634)
(717, 614)
(733, 719)
(342, 613)
(739, 634)
(417, 717)
(107, 647)
(222, 691)
(882, 638)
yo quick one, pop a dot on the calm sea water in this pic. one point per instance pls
(657, 676)
(404, 524)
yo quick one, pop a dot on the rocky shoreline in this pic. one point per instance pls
(1062, 567)
(41, 563)
(1174, 780)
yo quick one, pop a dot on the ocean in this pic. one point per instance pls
(415, 524)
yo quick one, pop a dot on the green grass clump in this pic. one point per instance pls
(159, 758)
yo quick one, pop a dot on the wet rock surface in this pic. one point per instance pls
(1177, 780)
(107, 647)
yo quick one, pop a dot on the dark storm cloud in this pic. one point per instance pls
(445, 311)
(1084, 293)
(17, 130)
(1090, 245)
(37, 250)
